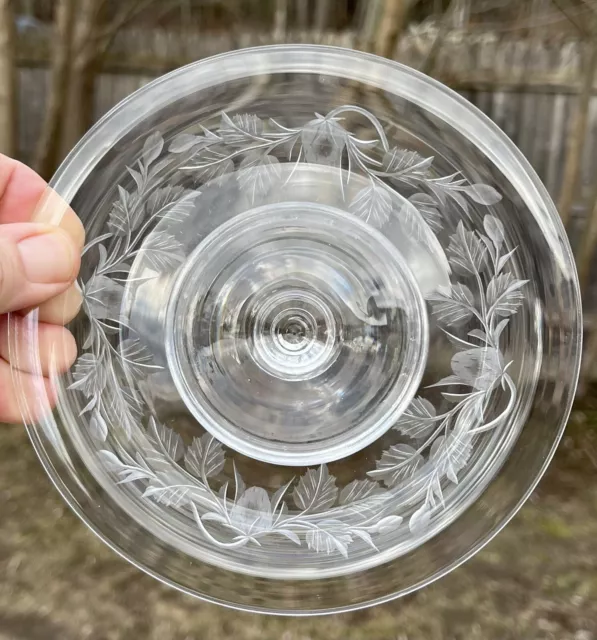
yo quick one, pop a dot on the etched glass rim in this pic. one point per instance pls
(376, 72)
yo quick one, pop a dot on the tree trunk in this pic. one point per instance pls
(47, 154)
(81, 84)
(91, 43)
(322, 15)
(8, 80)
(462, 12)
(577, 139)
(280, 20)
(302, 14)
(370, 19)
(392, 22)
(588, 243)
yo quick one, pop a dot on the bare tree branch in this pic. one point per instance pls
(48, 147)
(128, 11)
(590, 4)
(392, 23)
(8, 80)
(567, 13)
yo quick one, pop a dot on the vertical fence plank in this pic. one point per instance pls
(556, 145)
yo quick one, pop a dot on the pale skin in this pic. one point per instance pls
(39, 263)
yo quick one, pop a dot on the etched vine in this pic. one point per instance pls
(326, 519)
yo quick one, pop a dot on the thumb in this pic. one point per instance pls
(37, 262)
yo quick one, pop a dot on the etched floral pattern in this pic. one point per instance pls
(310, 511)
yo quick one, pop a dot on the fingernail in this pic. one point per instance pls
(48, 257)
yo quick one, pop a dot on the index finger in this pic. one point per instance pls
(26, 197)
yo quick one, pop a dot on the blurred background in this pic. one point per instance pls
(530, 65)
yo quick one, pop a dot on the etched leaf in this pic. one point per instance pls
(499, 328)
(239, 483)
(152, 148)
(252, 513)
(89, 375)
(121, 409)
(459, 199)
(358, 490)
(173, 203)
(483, 194)
(98, 427)
(494, 229)
(223, 492)
(240, 128)
(168, 496)
(445, 186)
(373, 205)
(479, 334)
(170, 441)
(400, 162)
(291, 535)
(209, 170)
(419, 521)
(159, 166)
(504, 259)
(427, 207)
(324, 140)
(91, 338)
(451, 454)
(162, 251)
(126, 213)
(504, 296)
(212, 516)
(453, 307)
(418, 421)
(389, 523)
(276, 500)
(397, 464)
(185, 142)
(479, 367)
(259, 173)
(329, 536)
(103, 297)
(316, 490)
(138, 178)
(365, 536)
(111, 461)
(136, 358)
(466, 252)
(126, 472)
(205, 457)
(168, 490)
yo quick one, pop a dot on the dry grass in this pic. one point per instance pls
(536, 581)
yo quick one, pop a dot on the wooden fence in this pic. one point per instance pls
(529, 87)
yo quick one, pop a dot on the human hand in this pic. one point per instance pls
(38, 267)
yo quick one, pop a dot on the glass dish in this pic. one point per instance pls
(330, 334)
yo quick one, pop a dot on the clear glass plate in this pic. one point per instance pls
(330, 333)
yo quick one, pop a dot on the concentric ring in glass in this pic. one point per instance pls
(268, 309)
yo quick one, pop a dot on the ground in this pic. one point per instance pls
(536, 581)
